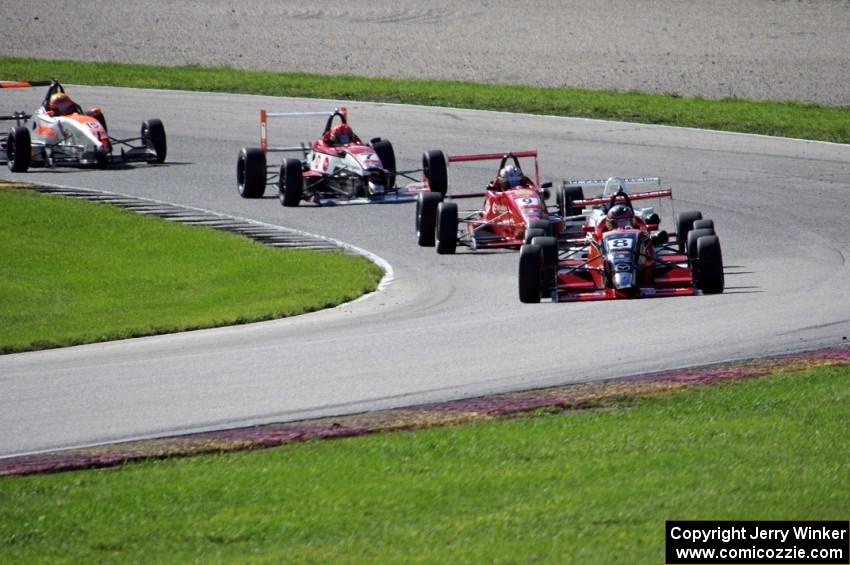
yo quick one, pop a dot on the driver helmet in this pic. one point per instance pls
(510, 176)
(620, 216)
(341, 134)
(61, 104)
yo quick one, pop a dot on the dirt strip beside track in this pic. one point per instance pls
(582, 396)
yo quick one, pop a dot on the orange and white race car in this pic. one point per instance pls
(60, 133)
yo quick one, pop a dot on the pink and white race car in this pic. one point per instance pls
(337, 168)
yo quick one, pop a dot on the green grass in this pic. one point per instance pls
(789, 119)
(76, 272)
(587, 487)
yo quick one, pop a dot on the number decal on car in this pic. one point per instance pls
(620, 243)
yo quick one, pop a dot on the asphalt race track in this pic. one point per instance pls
(447, 327)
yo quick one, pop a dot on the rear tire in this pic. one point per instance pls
(710, 258)
(19, 149)
(384, 149)
(426, 217)
(435, 172)
(529, 274)
(566, 196)
(684, 224)
(447, 228)
(153, 136)
(290, 183)
(251, 173)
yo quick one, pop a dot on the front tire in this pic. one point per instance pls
(710, 257)
(19, 149)
(529, 274)
(153, 136)
(447, 228)
(435, 171)
(426, 217)
(548, 262)
(251, 173)
(544, 225)
(290, 183)
(385, 152)
(531, 233)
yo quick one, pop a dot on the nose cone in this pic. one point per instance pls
(623, 280)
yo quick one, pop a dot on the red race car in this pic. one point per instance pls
(624, 253)
(514, 206)
(337, 168)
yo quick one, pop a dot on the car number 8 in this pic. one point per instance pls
(620, 243)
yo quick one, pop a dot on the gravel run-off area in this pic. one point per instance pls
(755, 49)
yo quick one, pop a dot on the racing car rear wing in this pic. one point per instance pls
(24, 83)
(17, 116)
(494, 157)
(265, 115)
(667, 193)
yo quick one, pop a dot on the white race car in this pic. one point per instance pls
(337, 168)
(70, 137)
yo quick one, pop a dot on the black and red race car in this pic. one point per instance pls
(337, 168)
(513, 207)
(623, 254)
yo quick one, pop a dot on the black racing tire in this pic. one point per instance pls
(435, 171)
(19, 149)
(290, 183)
(531, 233)
(153, 137)
(548, 262)
(691, 249)
(529, 273)
(704, 224)
(384, 149)
(693, 236)
(685, 223)
(566, 196)
(251, 173)
(446, 228)
(426, 217)
(710, 258)
(98, 115)
(544, 225)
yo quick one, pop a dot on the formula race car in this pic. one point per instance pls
(624, 253)
(337, 168)
(61, 134)
(513, 209)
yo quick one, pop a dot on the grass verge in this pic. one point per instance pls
(75, 272)
(788, 119)
(585, 487)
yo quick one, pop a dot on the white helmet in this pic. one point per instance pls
(511, 176)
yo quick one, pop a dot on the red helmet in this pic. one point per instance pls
(342, 134)
(620, 216)
(61, 104)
